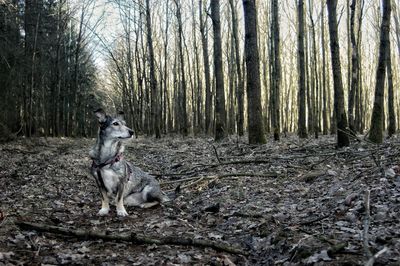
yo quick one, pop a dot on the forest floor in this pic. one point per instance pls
(287, 203)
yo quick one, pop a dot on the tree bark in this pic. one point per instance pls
(276, 71)
(155, 119)
(182, 100)
(254, 110)
(354, 67)
(302, 129)
(376, 132)
(240, 79)
(392, 114)
(220, 112)
(206, 62)
(341, 119)
(325, 123)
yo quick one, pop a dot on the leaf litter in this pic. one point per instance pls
(294, 202)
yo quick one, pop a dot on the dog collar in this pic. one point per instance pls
(111, 161)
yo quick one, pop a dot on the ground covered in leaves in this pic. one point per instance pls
(287, 203)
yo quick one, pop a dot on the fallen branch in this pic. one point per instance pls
(198, 178)
(133, 238)
(216, 154)
(317, 219)
(366, 224)
(371, 261)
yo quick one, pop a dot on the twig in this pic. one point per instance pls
(315, 219)
(133, 238)
(215, 177)
(371, 261)
(366, 223)
(216, 153)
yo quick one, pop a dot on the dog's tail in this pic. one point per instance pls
(171, 195)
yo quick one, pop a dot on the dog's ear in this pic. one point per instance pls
(101, 115)
(120, 115)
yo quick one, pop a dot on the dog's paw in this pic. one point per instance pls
(122, 212)
(103, 211)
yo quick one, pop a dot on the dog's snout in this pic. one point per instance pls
(130, 132)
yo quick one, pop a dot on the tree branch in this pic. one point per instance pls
(133, 238)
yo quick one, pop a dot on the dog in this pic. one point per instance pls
(114, 175)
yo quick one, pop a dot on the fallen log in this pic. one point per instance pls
(132, 237)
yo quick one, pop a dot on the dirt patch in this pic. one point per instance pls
(282, 203)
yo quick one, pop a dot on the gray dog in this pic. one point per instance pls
(114, 175)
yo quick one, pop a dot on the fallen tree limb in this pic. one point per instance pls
(132, 237)
(367, 218)
(215, 177)
(270, 174)
(317, 219)
(371, 261)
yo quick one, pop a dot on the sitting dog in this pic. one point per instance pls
(114, 175)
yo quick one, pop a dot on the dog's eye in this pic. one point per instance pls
(115, 124)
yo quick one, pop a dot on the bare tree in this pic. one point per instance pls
(206, 63)
(376, 132)
(354, 67)
(341, 119)
(276, 70)
(220, 112)
(391, 111)
(155, 119)
(182, 98)
(254, 110)
(240, 79)
(302, 129)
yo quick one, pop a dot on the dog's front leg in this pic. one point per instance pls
(105, 202)
(120, 200)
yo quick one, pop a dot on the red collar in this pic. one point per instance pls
(111, 161)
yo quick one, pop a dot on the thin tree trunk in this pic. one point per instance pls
(314, 80)
(324, 88)
(392, 114)
(354, 67)
(206, 62)
(220, 112)
(376, 132)
(276, 71)
(182, 102)
(240, 79)
(341, 119)
(155, 119)
(254, 110)
(302, 129)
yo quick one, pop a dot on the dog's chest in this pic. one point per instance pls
(110, 179)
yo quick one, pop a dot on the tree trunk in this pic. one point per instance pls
(155, 124)
(240, 79)
(392, 114)
(220, 112)
(354, 67)
(376, 132)
(324, 89)
(302, 129)
(314, 75)
(341, 119)
(276, 72)
(182, 102)
(254, 110)
(206, 62)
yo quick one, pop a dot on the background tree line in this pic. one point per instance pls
(209, 67)
(47, 72)
(320, 79)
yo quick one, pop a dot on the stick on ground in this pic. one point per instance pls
(367, 218)
(133, 238)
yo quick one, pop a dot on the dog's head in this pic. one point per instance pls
(113, 127)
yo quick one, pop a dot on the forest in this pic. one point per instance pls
(278, 121)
